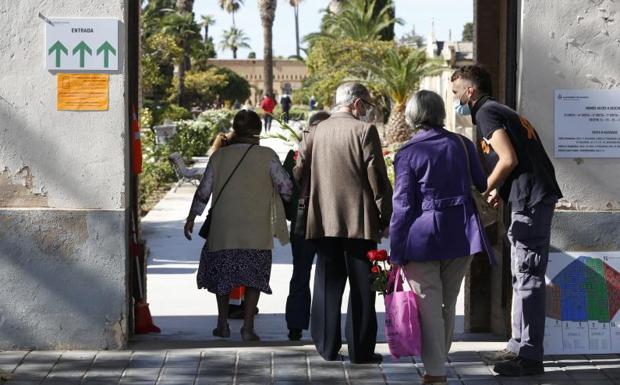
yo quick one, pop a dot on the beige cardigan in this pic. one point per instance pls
(250, 211)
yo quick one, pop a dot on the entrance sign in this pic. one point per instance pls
(587, 123)
(583, 303)
(82, 44)
(83, 92)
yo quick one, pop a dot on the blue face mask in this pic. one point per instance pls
(462, 109)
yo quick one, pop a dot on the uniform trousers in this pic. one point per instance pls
(529, 234)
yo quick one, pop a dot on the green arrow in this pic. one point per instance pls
(106, 48)
(59, 48)
(81, 48)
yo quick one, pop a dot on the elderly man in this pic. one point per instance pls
(349, 208)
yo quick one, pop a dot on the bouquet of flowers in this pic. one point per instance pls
(380, 270)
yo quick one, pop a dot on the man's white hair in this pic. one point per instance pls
(348, 92)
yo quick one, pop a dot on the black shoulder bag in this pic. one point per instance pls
(206, 226)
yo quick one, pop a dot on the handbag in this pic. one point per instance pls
(206, 226)
(402, 319)
(485, 212)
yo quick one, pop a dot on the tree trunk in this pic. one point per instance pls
(180, 70)
(296, 8)
(206, 33)
(234, 52)
(183, 6)
(268, 59)
(233, 17)
(397, 130)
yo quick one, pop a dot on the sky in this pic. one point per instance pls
(448, 15)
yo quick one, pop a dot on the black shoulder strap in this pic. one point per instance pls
(231, 174)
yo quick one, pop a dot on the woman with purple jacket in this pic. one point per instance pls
(435, 228)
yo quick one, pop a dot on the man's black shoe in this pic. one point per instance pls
(518, 367)
(496, 357)
(374, 359)
(294, 334)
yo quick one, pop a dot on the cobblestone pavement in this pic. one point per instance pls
(290, 365)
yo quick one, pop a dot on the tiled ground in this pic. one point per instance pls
(291, 365)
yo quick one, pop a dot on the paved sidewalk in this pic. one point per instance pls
(292, 365)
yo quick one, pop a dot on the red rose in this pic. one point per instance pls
(375, 269)
(381, 255)
(296, 155)
(386, 152)
(372, 255)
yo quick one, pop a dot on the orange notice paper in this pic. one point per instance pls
(83, 92)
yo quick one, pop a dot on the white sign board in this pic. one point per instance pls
(82, 44)
(583, 303)
(587, 123)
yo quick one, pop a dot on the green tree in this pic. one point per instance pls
(233, 39)
(252, 55)
(360, 20)
(468, 32)
(183, 28)
(202, 87)
(330, 64)
(207, 21)
(267, 10)
(231, 6)
(398, 75)
(295, 5)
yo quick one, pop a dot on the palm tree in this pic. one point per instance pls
(295, 5)
(359, 20)
(183, 28)
(267, 9)
(233, 39)
(185, 6)
(398, 76)
(231, 6)
(207, 21)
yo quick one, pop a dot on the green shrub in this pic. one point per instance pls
(193, 138)
(174, 112)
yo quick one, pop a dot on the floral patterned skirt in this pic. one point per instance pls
(221, 271)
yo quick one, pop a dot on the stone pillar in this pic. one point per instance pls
(63, 194)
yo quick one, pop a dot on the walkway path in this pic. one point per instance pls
(182, 311)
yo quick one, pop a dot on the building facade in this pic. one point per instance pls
(288, 75)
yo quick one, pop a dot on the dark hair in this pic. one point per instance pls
(477, 75)
(318, 117)
(425, 109)
(247, 123)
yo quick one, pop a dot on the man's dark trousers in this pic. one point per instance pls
(337, 259)
(298, 300)
(529, 236)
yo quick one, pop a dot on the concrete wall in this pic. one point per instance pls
(63, 188)
(573, 44)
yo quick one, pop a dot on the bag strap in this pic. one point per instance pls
(471, 179)
(230, 176)
(400, 276)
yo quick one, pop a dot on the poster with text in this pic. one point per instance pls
(587, 123)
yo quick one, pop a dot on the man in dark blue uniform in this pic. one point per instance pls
(522, 176)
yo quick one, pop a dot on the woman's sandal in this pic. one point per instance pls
(222, 333)
(249, 336)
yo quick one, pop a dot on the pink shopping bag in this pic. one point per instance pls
(402, 321)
